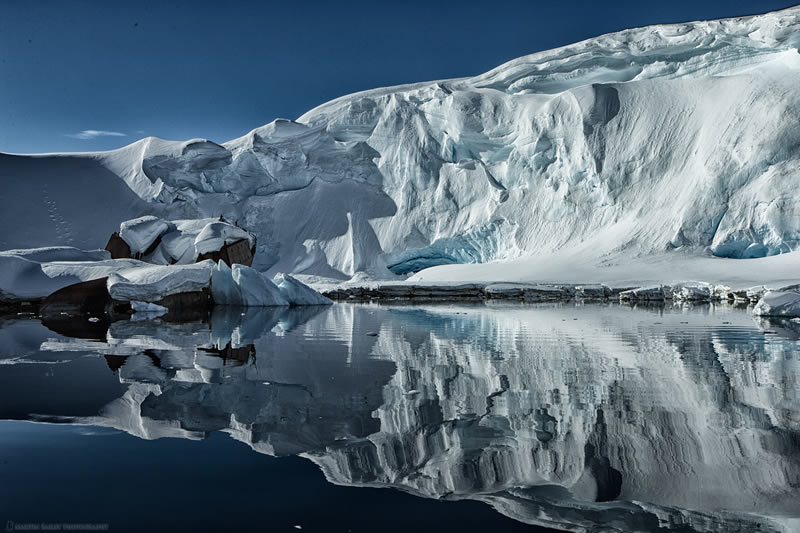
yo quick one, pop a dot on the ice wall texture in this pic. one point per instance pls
(676, 136)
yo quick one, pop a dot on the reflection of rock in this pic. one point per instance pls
(564, 416)
(248, 373)
(235, 355)
(115, 362)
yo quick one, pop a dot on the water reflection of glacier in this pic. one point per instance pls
(580, 418)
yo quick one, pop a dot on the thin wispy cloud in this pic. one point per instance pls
(93, 134)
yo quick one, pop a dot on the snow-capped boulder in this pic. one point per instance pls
(217, 234)
(298, 293)
(184, 241)
(140, 233)
(782, 303)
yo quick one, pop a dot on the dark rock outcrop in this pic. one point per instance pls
(117, 247)
(237, 252)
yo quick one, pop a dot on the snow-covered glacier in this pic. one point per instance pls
(674, 139)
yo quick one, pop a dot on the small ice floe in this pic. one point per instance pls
(693, 293)
(782, 303)
(94, 319)
(297, 293)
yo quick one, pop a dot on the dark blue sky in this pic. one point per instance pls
(179, 70)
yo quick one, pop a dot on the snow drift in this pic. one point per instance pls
(626, 145)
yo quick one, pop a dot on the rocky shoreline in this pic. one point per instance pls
(688, 292)
(530, 293)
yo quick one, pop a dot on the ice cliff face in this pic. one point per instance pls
(646, 140)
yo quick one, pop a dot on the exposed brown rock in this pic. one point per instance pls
(236, 252)
(118, 248)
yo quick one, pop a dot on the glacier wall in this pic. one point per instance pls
(638, 142)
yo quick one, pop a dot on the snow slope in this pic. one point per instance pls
(622, 147)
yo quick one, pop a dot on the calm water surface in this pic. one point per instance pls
(505, 417)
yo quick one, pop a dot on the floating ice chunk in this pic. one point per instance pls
(217, 234)
(242, 285)
(255, 288)
(224, 290)
(754, 294)
(153, 282)
(298, 293)
(140, 233)
(779, 304)
(692, 293)
(722, 292)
